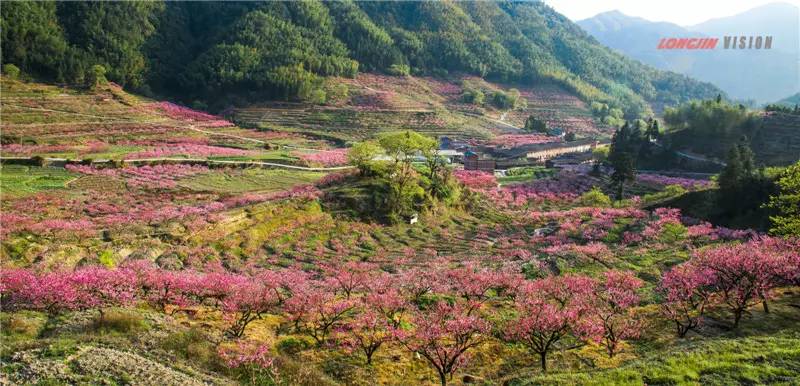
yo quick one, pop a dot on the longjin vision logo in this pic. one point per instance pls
(728, 43)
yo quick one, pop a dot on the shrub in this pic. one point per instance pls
(106, 258)
(337, 92)
(473, 96)
(673, 232)
(502, 100)
(96, 76)
(534, 124)
(400, 70)
(26, 324)
(317, 97)
(292, 345)
(595, 198)
(199, 105)
(119, 321)
(11, 71)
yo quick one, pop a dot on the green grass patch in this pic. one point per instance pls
(249, 180)
(526, 173)
(751, 360)
(17, 180)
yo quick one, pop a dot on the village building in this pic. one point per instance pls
(545, 151)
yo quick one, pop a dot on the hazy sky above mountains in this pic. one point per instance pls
(681, 12)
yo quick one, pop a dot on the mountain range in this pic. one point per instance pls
(759, 75)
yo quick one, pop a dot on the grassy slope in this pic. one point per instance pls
(765, 351)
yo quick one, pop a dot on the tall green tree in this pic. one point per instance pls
(787, 203)
(363, 154)
(653, 131)
(535, 125)
(739, 167)
(402, 147)
(623, 154)
(743, 188)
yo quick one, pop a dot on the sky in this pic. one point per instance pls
(681, 12)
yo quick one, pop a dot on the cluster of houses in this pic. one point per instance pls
(488, 158)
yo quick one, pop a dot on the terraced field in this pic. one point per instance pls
(16, 181)
(248, 180)
(383, 103)
(108, 123)
(349, 125)
(778, 142)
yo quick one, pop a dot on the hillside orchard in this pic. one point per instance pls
(549, 275)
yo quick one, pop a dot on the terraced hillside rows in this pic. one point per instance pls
(778, 141)
(108, 123)
(352, 125)
(377, 104)
(559, 110)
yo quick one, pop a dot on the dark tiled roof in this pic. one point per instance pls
(521, 151)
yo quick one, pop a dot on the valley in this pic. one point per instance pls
(392, 193)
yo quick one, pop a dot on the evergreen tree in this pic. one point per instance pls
(653, 131)
(622, 156)
(624, 171)
(743, 188)
(733, 172)
(532, 124)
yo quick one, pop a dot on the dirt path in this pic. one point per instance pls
(693, 157)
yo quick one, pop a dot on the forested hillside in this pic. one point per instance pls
(239, 52)
(712, 127)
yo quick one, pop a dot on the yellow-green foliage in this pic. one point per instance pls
(107, 258)
(595, 197)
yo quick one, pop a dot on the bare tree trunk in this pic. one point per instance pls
(543, 360)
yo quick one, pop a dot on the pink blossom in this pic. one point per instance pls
(443, 334)
(156, 176)
(366, 333)
(194, 150)
(184, 113)
(476, 179)
(686, 183)
(326, 158)
(611, 319)
(548, 310)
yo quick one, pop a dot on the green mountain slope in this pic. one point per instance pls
(235, 53)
